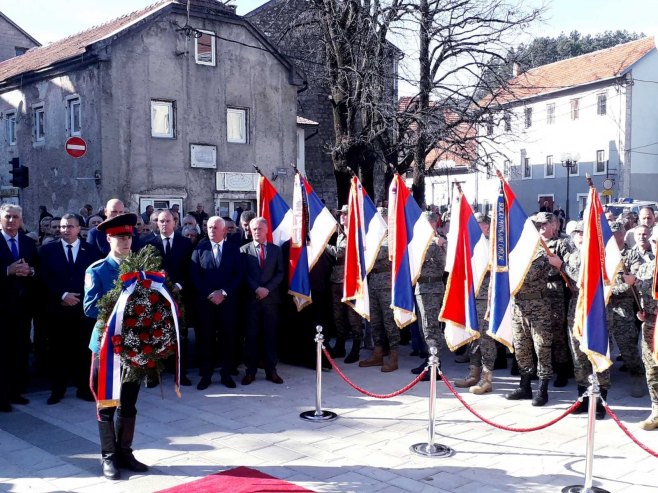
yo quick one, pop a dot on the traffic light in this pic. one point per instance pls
(20, 174)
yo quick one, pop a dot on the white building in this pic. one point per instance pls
(597, 112)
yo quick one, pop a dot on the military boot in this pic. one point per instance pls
(651, 423)
(541, 396)
(338, 351)
(377, 358)
(108, 450)
(524, 391)
(472, 378)
(484, 385)
(392, 362)
(600, 408)
(583, 405)
(353, 356)
(125, 434)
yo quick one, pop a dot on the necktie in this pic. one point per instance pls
(218, 254)
(261, 255)
(14, 248)
(69, 254)
(167, 247)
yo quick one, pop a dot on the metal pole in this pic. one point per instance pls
(318, 414)
(568, 174)
(594, 394)
(430, 449)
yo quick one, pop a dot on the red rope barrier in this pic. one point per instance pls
(503, 427)
(413, 383)
(627, 431)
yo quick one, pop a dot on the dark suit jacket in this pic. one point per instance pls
(99, 241)
(270, 276)
(206, 277)
(56, 274)
(177, 263)
(14, 289)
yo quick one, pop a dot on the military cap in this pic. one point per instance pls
(343, 210)
(481, 218)
(578, 227)
(616, 226)
(542, 217)
(120, 225)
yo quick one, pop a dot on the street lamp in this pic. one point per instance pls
(569, 161)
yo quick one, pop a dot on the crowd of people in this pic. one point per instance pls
(234, 286)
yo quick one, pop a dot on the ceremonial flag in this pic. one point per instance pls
(654, 347)
(312, 227)
(364, 232)
(600, 264)
(276, 212)
(410, 234)
(514, 244)
(468, 267)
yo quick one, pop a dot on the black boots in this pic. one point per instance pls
(541, 396)
(338, 351)
(600, 408)
(584, 406)
(524, 391)
(582, 409)
(125, 457)
(108, 450)
(562, 376)
(353, 356)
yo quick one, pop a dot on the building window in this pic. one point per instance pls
(20, 50)
(527, 169)
(600, 163)
(549, 169)
(236, 125)
(507, 118)
(204, 48)
(10, 127)
(550, 113)
(601, 104)
(73, 116)
(39, 117)
(162, 119)
(573, 169)
(528, 117)
(575, 104)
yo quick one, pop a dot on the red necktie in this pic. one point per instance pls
(261, 255)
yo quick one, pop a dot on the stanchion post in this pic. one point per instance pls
(318, 414)
(594, 393)
(431, 449)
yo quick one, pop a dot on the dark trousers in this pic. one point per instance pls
(215, 335)
(262, 322)
(127, 400)
(14, 350)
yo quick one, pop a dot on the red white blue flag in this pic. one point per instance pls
(514, 242)
(409, 237)
(364, 232)
(601, 261)
(276, 212)
(467, 260)
(312, 227)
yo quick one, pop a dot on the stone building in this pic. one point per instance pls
(174, 107)
(14, 41)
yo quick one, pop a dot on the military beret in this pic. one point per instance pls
(119, 225)
(481, 218)
(542, 217)
(616, 226)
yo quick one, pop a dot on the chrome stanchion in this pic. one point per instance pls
(318, 414)
(594, 393)
(431, 449)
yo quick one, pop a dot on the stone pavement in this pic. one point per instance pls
(55, 448)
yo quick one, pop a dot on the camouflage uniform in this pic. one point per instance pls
(531, 320)
(483, 349)
(555, 294)
(381, 314)
(582, 367)
(429, 294)
(640, 256)
(644, 286)
(348, 322)
(621, 318)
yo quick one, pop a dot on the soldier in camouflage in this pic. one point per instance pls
(348, 322)
(581, 363)
(532, 328)
(646, 286)
(381, 315)
(621, 313)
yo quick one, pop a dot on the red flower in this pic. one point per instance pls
(148, 349)
(140, 309)
(150, 363)
(157, 316)
(147, 322)
(131, 322)
(146, 283)
(157, 333)
(116, 340)
(154, 298)
(134, 364)
(132, 353)
(143, 336)
(118, 349)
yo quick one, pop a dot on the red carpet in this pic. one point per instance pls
(238, 480)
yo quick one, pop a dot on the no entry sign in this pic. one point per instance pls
(76, 147)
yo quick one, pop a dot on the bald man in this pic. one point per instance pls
(113, 208)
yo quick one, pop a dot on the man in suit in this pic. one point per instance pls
(244, 231)
(176, 251)
(63, 264)
(18, 259)
(216, 273)
(263, 265)
(113, 208)
(116, 443)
